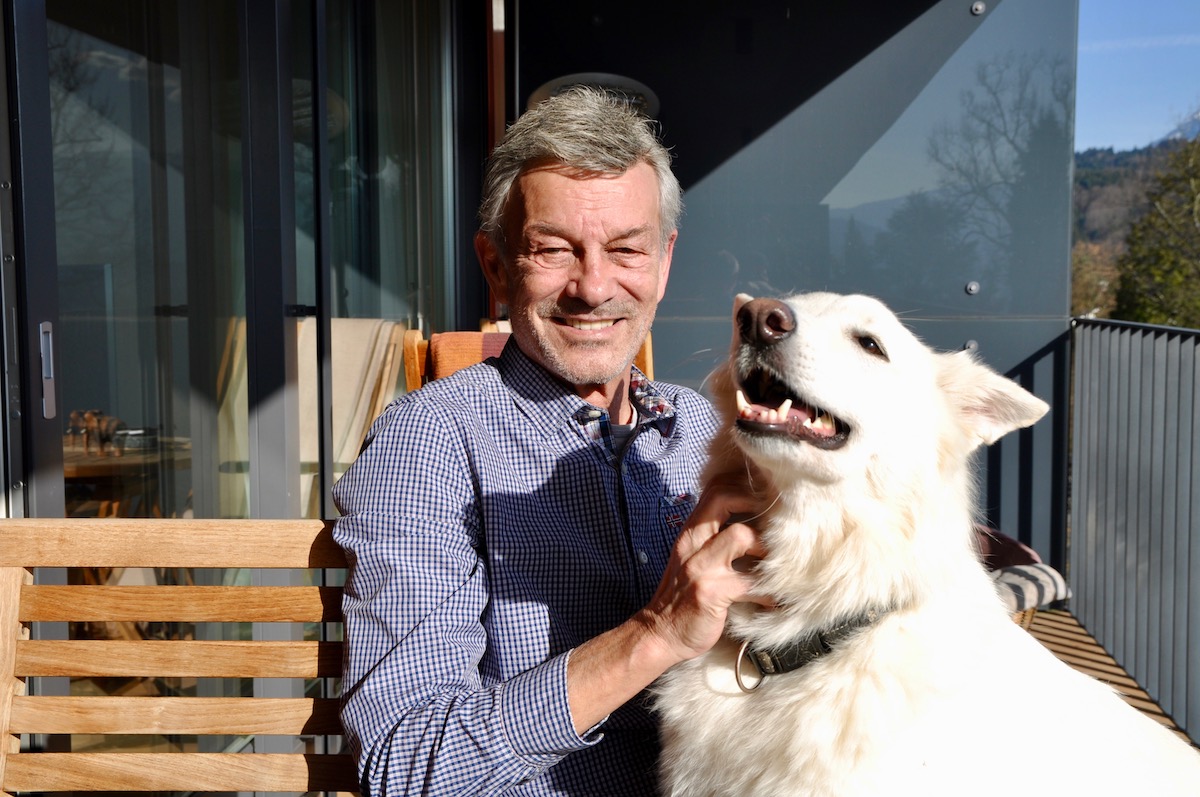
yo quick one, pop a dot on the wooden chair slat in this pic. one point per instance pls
(172, 659)
(11, 579)
(175, 715)
(179, 772)
(125, 706)
(182, 604)
(132, 542)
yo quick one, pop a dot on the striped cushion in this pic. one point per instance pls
(1030, 586)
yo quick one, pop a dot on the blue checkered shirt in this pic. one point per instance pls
(490, 529)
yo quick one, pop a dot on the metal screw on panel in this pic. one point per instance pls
(978, 8)
(971, 345)
(972, 288)
(5, 185)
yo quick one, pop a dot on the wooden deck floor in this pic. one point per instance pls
(1066, 638)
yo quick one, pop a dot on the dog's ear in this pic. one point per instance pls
(989, 405)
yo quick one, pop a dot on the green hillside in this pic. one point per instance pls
(1109, 196)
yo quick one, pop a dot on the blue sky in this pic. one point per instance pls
(1139, 70)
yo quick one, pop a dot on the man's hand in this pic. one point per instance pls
(706, 574)
(704, 577)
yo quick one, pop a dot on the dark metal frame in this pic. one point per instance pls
(265, 43)
(35, 444)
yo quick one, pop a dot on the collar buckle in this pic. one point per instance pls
(799, 652)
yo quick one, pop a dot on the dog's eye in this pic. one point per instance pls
(871, 346)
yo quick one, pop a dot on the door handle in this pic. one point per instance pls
(46, 341)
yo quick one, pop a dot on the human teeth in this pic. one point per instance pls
(589, 325)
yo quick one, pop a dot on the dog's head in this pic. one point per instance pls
(824, 387)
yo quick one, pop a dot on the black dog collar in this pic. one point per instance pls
(803, 650)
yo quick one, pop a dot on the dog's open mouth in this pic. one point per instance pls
(765, 406)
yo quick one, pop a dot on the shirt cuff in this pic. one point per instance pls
(537, 715)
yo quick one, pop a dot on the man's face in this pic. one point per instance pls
(586, 267)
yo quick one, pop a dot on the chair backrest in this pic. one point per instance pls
(144, 650)
(447, 352)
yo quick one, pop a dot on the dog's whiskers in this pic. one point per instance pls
(750, 483)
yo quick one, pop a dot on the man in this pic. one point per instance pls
(515, 577)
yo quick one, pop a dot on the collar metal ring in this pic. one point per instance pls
(737, 669)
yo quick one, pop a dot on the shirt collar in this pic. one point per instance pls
(549, 404)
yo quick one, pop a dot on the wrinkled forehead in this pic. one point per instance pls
(556, 192)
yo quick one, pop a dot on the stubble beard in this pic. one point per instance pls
(585, 363)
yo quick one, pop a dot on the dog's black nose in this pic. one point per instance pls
(765, 321)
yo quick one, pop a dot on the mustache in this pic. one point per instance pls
(577, 308)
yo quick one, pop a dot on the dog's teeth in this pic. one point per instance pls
(785, 408)
(742, 404)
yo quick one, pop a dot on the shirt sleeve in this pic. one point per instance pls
(415, 710)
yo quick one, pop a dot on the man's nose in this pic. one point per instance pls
(593, 278)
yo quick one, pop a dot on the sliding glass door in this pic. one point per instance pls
(251, 202)
(147, 168)
(223, 216)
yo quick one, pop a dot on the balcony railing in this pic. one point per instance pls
(1134, 538)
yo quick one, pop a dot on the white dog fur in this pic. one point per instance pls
(944, 694)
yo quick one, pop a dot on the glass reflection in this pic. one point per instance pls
(933, 174)
(147, 174)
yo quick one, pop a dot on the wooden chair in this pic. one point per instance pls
(295, 545)
(447, 352)
(366, 358)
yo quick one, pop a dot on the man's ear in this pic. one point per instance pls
(664, 269)
(492, 263)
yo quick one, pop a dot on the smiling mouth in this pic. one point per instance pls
(587, 325)
(766, 407)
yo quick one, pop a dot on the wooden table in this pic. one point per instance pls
(104, 485)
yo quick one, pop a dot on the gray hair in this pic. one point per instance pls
(584, 128)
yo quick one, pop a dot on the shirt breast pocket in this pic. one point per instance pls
(675, 510)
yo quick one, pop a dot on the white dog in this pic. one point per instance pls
(889, 665)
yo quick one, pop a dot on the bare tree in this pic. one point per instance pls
(984, 155)
(85, 157)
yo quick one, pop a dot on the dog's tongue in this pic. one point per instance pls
(786, 417)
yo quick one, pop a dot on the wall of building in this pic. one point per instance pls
(917, 151)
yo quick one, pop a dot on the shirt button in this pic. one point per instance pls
(642, 557)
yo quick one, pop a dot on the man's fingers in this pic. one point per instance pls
(730, 553)
(714, 512)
